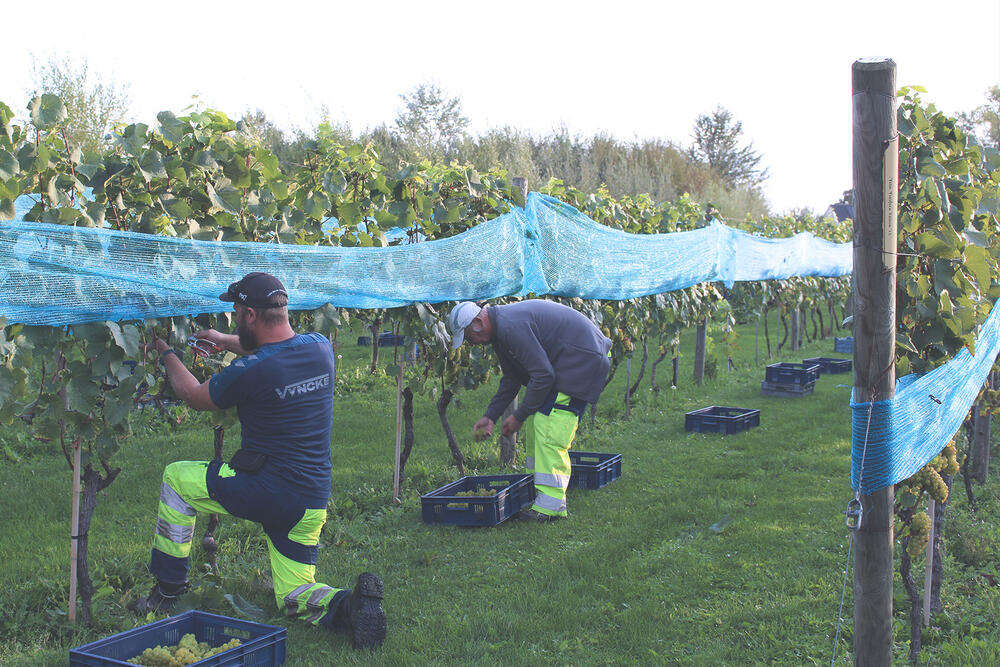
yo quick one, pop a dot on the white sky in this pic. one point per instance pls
(634, 69)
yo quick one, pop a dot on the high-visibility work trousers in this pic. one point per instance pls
(292, 531)
(547, 439)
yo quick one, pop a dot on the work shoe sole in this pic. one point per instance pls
(534, 515)
(366, 616)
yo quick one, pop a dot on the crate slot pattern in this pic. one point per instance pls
(592, 470)
(843, 345)
(443, 505)
(829, 364)
(786, 390)
(721, 419)
(791, 373)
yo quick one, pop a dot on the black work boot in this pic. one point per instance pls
(161, 599)
(365, 618)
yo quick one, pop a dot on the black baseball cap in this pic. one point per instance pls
(255, 290)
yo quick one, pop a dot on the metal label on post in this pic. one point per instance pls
(890, 201)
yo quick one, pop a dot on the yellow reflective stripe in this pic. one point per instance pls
(173, 500)
(173, 532)
(319, 597)
(171, 548)
(552, 479)
(547, 502)
(170, 515)
(309, 527)
(292, 599)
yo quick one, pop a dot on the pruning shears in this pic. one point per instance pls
(196, 344)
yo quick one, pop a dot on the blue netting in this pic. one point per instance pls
(53, 274)
(56, 275)
(904, 433)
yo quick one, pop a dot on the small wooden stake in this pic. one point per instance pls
(399, 431)
(74, 530)
(929, 572)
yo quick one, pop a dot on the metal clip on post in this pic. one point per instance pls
(853, 514)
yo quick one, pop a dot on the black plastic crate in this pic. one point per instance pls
(791, 373)
(592, 470)
(843, 345)
(786, 390)
(385, 339)
(444, 505)
(829, 364)
(721, 419)
(260, 645)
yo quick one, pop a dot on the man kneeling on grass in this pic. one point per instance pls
(280, 477)
(562, 359)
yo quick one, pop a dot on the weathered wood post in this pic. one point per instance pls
(700, 339)
(794, 336)
(508, 443)
(979, 459)
(874, 306)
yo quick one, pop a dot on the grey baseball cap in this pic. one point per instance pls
(461, 316)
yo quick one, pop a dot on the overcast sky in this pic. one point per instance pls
(632, 69)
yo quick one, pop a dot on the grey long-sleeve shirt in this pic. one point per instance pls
(544, 345)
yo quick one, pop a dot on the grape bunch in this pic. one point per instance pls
(920, 534)
(910, 492)
(473, 492)
(189, 650)
(478, 492)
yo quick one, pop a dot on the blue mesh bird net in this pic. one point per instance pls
(55, 275)
(895, 438)
(59, 275)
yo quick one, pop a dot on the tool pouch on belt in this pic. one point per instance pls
(247, 461)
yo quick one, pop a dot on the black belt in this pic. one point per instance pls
(576, 405)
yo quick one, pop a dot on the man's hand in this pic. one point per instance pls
(511, 425)
(209, 338)
(483, 429)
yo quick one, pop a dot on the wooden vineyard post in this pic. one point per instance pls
(628, 383)
(874, 304)
(929, 565)
(74, 542)
(399, 433)
(700, 340)
(794, 336)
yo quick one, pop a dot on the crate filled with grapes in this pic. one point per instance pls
(192, 638)
(485, 500)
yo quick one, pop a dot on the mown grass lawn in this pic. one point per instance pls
(709, 550)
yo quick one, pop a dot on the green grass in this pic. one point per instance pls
(636, 575)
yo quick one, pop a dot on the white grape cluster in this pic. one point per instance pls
(189, 650)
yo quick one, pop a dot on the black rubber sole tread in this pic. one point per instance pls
(368, 625)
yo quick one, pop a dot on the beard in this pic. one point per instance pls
(248, 341)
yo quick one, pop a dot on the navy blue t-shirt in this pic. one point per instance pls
(284, 397)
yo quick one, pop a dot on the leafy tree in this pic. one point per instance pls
(94, 106)
(717, 139)
(430, 122)
(984, 121)
(292, 147)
